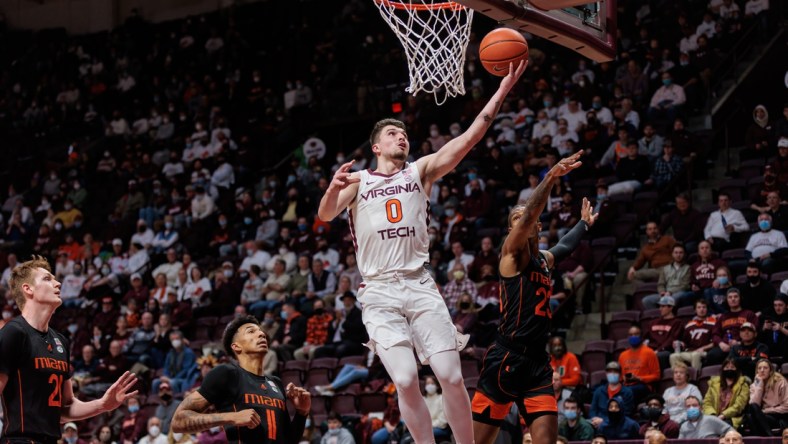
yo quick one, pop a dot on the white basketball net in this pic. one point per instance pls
(434, 36)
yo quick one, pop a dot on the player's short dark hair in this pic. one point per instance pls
(232, 329)
(515, 209)
(23, 274)
(373, 138)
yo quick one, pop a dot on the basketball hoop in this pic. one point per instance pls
(434, 35)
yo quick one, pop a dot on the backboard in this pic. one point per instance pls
(589, 29)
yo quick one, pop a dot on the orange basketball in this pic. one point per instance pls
(501, 47)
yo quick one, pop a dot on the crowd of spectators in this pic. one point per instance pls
(163, 221)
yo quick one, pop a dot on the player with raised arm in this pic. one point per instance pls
(35, 372)
(250, 406)
(388, 212)
(516, 367)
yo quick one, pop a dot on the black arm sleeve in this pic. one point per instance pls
(567, 244)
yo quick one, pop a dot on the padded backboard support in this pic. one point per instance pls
(589, 29)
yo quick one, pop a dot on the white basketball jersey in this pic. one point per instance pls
(388, 221)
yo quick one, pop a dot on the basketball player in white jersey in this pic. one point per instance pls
(388, 213)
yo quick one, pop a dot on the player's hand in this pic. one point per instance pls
(302, 399)
(566, 165)
(514, 75)
(587, 213)
(343, 177)
(246, 418)
(118, 393)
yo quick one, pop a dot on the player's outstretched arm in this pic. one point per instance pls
(437, 165)
(567, 244)
(189, 416)
(340, 193)
(303, 403)
(75, 410)
(516, 244)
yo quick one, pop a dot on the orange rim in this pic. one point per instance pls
(420, 6)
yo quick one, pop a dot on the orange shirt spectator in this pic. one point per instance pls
(568, 367)
(642, 362)
(564, 363)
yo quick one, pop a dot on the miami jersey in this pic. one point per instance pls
(232, 389)
(525, 304)
(388, 221)
(37, 364)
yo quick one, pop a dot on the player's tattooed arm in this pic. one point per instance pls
(189, 417)
(437, 165)
(517, 243)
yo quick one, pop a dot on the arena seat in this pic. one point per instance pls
(629, 315)
(344, 405)
(618, 329)
(600, 345)
(372, 402)
(591, 361)
(352, 360)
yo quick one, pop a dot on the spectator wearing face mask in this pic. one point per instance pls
(155, 435)
(434, 400)
(657, 418)
(144, 235)
(180, 366)
(166, 408)
(134, 423)
(758, 136)
(565, 363)
(608, 389)
(757, 294)
(165, 238)
(728, 394)
(465, 314)
(329, 256)
(71, 287)
(700, 426)
(575, 427)
(336, 434)
(254, 256)
(8, 314)
(170, 268)
(71, 434)
(716, 293)
(674, 396)
(639, 364)
(69, 214)
(618, 425)
(459, 285)
(763, 244)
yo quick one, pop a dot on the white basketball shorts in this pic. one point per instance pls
(408, 309)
